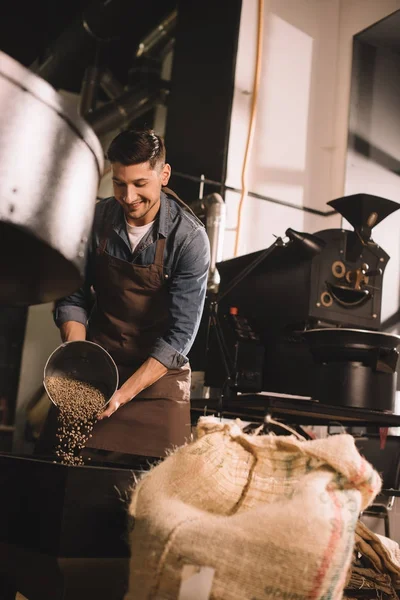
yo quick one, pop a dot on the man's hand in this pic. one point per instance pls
(72, 331)
(119, 399)
(149, 372)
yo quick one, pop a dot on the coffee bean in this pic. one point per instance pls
(79, 404)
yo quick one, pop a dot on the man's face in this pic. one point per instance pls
(137, 189)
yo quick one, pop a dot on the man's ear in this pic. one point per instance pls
(165, 174)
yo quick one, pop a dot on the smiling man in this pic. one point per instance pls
(148, 264)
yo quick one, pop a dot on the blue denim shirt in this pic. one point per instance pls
(186, 262)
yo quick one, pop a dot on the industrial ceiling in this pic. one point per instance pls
(30, 32)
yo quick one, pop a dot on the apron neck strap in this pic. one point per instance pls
(159, 257)
(170, 192)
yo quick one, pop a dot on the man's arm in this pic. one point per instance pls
(71, 314)
(149, 372)
(187, 293)
(72, 331)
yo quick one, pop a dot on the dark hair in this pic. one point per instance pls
(135, 147)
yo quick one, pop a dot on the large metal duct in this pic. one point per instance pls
(99, 22)
(50, 166)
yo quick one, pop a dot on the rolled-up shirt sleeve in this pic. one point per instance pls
(63, 311)
(187, 292)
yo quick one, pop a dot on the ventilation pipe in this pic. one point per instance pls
(212, 209)
(120, 112)
(99, 23)
(158, 35)
(110, 85)
(90, 85)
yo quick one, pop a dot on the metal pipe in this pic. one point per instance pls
(110, 85)
(166, 49)
(121, 111)
(90, 84)
(68, 50)
(220, 185)
(101, 22)
(215, 226)
(157, 34)
(212, 207)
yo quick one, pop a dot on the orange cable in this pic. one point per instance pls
(250, 135)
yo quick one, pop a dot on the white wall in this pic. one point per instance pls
(291, 155)
(355, 16)
(300, 145)
(375, 117)
(354, 173)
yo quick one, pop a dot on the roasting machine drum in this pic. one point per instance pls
(50, 166)
(336, 292)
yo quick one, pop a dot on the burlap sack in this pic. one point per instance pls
(375, 565)
(274, 516)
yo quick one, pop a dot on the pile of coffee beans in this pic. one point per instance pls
(79, 404)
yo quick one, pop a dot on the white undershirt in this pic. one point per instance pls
(135, 234)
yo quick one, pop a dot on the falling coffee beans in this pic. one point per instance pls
(79, 404)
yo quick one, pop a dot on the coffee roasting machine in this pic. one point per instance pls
(303, 316)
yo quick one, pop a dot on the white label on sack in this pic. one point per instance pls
(196, 582)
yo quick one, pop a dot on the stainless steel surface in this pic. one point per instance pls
(50, 166)
(212, 207)
(83, 361)
(215, 226)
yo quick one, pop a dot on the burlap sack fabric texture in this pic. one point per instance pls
(375, 565)
(273, 515)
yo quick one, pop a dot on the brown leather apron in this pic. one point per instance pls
(131, 313)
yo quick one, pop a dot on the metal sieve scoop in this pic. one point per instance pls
(86, 362)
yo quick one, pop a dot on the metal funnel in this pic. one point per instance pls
(364, 210)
